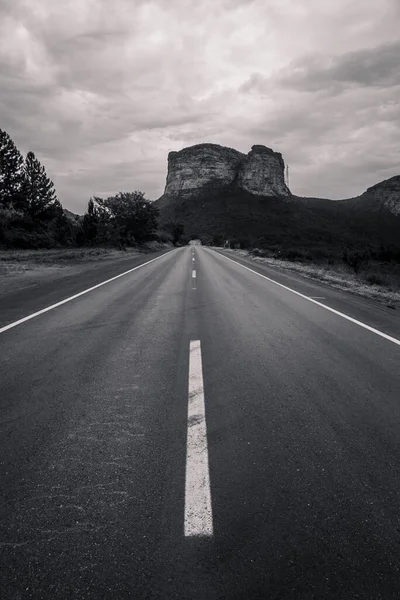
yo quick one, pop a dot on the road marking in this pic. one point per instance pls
(193, 258)
(336, 312)
(194, 274)
(198, 510)
(318, 297)
(44, 310)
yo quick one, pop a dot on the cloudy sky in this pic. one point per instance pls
(102, 90)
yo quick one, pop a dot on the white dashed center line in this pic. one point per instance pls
(198, 510)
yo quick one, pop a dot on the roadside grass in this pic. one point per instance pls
(14, 261)
(377, 281)
(62, 255)
(25, 268)
(55, 255)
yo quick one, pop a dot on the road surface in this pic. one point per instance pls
(197, 427)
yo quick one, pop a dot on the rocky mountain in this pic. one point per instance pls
(218, 193)
(260, 172)
(190, 169)
(194, 170)
(381, 196)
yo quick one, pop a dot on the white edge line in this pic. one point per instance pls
(44, 310)
(198, 520)
(336, 312)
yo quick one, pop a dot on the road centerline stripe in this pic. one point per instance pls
(198, 511)
(52, 306)
(194, 274)
(332, 310)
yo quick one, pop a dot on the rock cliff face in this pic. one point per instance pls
(192, 168)
(385, 194)
(260, 172)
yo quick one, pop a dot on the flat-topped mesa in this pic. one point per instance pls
(260, 172)
(193, 167)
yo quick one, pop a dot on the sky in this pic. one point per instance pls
(101, 91)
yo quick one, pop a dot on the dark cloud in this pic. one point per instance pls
(370, 67)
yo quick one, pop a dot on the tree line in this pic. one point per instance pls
(31, 215)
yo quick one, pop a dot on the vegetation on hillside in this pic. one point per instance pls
(324, 234)
(274, 224)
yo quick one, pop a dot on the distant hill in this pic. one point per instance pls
(72, 215)
(228, 213)
(381, 197)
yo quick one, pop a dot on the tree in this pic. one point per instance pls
(42, 202)
(132, 217)
(177, 233)
(90, 224)
(217, 239)
(63, 230)
(121, 220)
(11, 173)
(176, 230)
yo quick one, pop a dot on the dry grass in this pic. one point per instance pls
(384, 288)
(21, 269)
(63, 255)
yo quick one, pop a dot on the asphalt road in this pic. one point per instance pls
(210, 437)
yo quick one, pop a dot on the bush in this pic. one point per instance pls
(388, 277)
(267, 253)
(217, 240)
(206, 240)
(356, 259)
(165, 237)
(244, 242)
(263, 253)
(375, 279)
(25, 240)
(294, 254)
